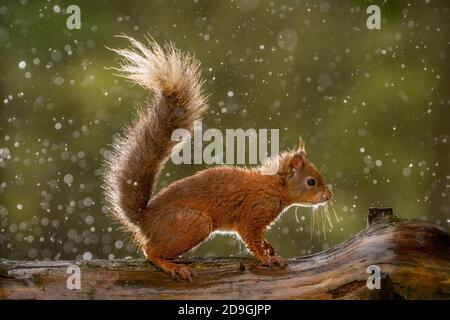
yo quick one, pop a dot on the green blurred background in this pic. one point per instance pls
(372, 106)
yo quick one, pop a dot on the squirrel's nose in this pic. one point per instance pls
(328, 194)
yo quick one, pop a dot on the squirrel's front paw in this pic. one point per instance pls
(274, 261)
(268, 249)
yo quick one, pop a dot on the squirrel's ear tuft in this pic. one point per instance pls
(301, 146)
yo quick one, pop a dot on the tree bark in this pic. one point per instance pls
(413, 256)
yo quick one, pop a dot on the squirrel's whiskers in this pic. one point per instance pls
(320, 217)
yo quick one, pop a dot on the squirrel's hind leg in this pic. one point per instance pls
(172, 232)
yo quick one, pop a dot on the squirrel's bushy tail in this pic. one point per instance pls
(139, 154)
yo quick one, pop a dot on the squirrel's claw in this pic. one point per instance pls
(275, 261)
(181, 272)
(269, 250)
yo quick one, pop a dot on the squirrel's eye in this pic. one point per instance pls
(311, 182)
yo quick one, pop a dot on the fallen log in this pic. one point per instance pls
(412, 257)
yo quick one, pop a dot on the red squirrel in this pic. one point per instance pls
(223, 198)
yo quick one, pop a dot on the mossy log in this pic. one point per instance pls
(413, 256)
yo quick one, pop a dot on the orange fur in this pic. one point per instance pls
(223, 198)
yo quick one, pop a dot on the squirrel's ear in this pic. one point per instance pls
(297, 160)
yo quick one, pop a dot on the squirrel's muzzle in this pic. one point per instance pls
(327, 195)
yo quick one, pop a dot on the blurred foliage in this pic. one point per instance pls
(372, 106)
